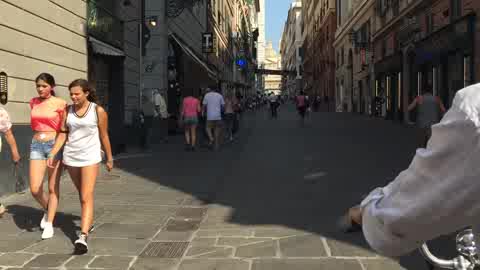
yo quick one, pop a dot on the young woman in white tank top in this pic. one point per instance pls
(84, 132)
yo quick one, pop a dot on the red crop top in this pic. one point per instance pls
(47, 115)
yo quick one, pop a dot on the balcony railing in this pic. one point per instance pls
(103, 25)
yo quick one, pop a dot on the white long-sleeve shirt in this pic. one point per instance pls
(439, 193)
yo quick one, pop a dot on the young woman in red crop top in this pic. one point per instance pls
(47, 113)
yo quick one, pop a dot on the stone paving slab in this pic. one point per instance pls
(134, 217)
(210, 252)
(348, 249)
(218, 264)
(173, 236)
(48, 260)
(306, 264)
(237, 241)
(189, 212)
(155, 263)
(225, 232)
(258, 250)
(55, 245)
(277, 232)
(130, 231)
(118, 247)
(79, 261)
(303, 246)
(15, 259)
(16, 243)
(382, 264)
(115, 262)
(203, 241)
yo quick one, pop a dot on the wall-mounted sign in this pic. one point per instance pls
(208, 43)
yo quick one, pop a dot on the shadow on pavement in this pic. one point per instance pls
(300, 178)
(28, 219)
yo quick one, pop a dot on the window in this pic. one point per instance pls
(382, 6)
(429, 23)
(395, 7)
(339, 12)
(343, 56)
(467, 64)
(456, 7)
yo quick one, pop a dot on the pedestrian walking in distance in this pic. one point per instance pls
(189, 114)
(46, 117)
(148, 112)
(301, 103)
(6, 130)
(213, 105)
(429, 111)
(84, 132)
(230, 103)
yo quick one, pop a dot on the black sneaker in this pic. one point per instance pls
(81, 245)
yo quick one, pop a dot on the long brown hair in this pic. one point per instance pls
(86, 87)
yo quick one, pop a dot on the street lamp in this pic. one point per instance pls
(142, 39)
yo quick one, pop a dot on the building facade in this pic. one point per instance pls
(344, 49)
(424, 44)
(354, 54)
(70, 40)
(308, 22)
(290, 49)
(323, 66)
(235, 54)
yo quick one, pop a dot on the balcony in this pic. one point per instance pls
(103, 25)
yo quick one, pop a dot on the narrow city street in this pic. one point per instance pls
(269, 201)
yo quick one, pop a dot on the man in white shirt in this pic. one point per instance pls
(161, 114)
(213, 104)
(273, 99)
(437, 194)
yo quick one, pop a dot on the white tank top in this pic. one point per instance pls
(83, 147)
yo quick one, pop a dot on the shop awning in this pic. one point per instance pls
(100, 47)
(192, 54)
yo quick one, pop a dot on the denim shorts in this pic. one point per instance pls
(190, 121)
(39, 150)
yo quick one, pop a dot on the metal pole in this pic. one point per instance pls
(140, 64)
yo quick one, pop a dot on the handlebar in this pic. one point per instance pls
(466, 246)
(445, 264)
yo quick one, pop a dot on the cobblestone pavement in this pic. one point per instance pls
(269, 201)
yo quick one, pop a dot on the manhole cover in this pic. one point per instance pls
(194, 213)
(182, 225)
(165, 249)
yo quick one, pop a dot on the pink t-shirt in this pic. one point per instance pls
(190, 107)
(300, 101)
(47, 115)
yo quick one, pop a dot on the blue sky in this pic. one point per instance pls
(276, 12)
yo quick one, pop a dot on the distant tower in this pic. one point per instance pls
(261, 34)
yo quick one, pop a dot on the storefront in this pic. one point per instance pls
(106, 59)
(186, 70)
(388, 86)
(444, 60)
